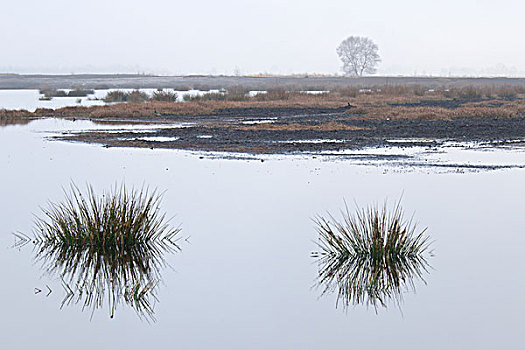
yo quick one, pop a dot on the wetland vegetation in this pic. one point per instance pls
(105, 248)
(378, 102)
(287, 120)
(50, 93)
(236, 276)
(371, 257)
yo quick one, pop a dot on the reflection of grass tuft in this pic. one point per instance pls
(109, 245)
(372, 256)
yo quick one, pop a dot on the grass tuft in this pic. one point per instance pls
(370, 257)
(111, 246)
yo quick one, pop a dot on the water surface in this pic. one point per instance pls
(245, 277)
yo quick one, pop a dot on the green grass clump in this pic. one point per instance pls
(116, 219)
(110, 245)
(370, 257)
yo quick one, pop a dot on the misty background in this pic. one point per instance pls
(467, 38)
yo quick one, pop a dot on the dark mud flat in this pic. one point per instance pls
(305, 130)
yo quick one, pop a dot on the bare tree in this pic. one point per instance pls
(359, 55)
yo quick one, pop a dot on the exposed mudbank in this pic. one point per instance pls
(305, 130)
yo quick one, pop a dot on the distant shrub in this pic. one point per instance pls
(448, 93)
(209, 96)
(188, 97)
(182, 87)
(122, 96)
(466, 93)
(214, 96)
(508, 93)
(166, 96)
(50, 93)
(419, 91)
(237, 96)
(137, 96)
(470, 93)
(80, 92)
(116, 96)
(237, 93)
(347, 92)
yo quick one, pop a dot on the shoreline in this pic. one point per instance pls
(296, 131)
(283, 122)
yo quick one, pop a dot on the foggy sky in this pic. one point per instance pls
(472, 37)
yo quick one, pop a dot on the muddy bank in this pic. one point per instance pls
(305, 130)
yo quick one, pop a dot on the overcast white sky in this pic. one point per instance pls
(458, 37)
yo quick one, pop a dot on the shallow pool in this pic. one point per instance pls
(245, 277)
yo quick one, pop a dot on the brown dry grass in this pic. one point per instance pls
(159, 108)
(14, 117)
(373, 103)
(507, 110)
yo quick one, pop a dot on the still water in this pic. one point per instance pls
(244, 276)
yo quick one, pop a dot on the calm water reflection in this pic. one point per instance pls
(14, 121)
(246, 281)
(371, 257)
(106, 250)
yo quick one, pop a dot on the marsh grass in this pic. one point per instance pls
(14, 117)
(165, 96)
(107, 247)
(137, 96)
(371, 257)
(116, 96)
(381, 102)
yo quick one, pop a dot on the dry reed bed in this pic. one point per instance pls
(439, 113)
(380, 102)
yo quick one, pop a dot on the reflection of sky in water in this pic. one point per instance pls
(245, 279)
(462, 154)
(29, 100)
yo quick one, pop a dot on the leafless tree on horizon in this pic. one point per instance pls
(359, 55)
